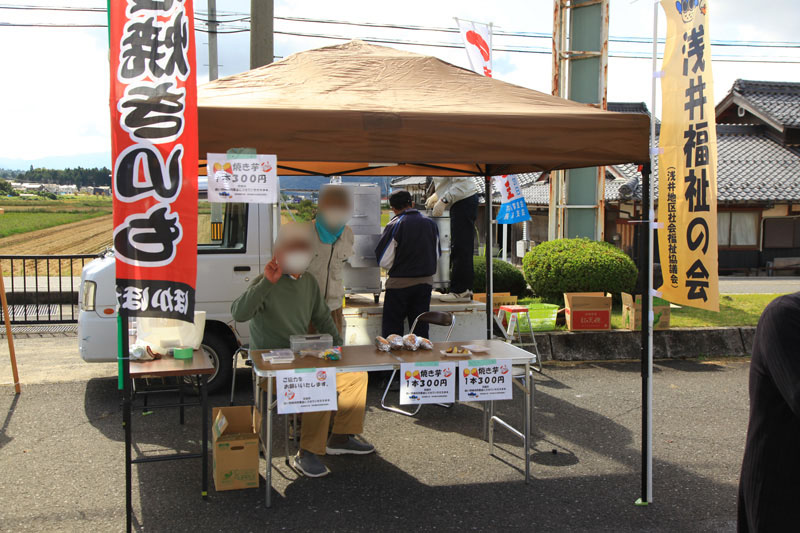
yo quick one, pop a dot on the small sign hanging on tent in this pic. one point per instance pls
(513, 208)
(248, 180)
(687, 167)
(154, 153)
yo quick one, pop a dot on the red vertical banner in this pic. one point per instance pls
(154, 152)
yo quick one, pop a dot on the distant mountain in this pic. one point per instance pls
(98, 160)
(306, 183)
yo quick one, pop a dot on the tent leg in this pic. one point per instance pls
(489, 264)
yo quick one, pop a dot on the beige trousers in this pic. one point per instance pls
(349, 419)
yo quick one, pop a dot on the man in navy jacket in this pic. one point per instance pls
(409, 250)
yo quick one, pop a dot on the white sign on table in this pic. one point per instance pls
(428, 382)
(482, 380)
(304, 390)
(248, 180)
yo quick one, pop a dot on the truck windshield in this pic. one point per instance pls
(221, 227)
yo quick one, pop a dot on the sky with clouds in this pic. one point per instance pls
(54, 88)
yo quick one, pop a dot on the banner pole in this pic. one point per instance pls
(9, 336)
(489, 262)
(650, 240)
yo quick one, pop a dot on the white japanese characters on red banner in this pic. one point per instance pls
(306, 389)
(478, 43)
(481, 380)
(513, 208)
(154, 153)
(252, 180)
(428, 382)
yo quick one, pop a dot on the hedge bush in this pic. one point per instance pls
(578, 265)
(506, 277)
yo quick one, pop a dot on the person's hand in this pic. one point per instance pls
(273, 271)
(438, 209)
(431, 201)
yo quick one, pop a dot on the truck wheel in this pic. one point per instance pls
(221, 353)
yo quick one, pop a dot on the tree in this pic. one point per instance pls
(6, 189)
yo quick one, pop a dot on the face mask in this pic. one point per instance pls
(335, 218)
(295, 262)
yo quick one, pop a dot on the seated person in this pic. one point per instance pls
(282, 302)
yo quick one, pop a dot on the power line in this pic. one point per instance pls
(525, 50)
(517, 49)
(243, 17)
(49, 25)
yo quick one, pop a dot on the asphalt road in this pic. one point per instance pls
(756, 285)
(62, 468)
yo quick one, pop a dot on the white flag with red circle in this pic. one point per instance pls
(478, 42)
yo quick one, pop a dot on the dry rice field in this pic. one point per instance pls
(84, 237)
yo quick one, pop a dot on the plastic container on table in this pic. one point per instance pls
(183, 353)
(317, 342)
(161, 334)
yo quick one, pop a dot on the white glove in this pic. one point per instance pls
(431, 201)
(438, 209)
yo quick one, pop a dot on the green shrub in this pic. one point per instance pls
(506, 277)
(578, 265)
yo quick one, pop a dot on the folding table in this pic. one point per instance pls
(199, 366)
(366, 358)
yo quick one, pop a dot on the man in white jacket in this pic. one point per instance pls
(460, 196)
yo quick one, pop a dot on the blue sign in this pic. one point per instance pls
(514, 211)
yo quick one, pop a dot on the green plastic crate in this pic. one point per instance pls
(543, 316)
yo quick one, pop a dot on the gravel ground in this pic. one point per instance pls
(61, 458)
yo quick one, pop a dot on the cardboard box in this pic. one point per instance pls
(588, 311)
(234, 448)
(498, 299)
(632, 312)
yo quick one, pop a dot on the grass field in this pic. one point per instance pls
(16, 222)
(63, 203)
(734, 310)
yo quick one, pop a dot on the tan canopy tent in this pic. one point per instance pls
(364, 109)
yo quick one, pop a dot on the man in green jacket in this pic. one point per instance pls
(283, 302)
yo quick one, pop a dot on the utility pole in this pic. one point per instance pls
(213, 60)
(261, 36)
(580, 73)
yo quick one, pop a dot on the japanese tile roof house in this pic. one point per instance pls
(758, 179)
(758, 137)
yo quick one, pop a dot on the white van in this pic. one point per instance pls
(234, 241)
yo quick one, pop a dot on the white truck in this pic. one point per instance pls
(234, 244)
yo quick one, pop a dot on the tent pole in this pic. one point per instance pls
(489, 264)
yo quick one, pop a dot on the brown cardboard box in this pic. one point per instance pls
(632, 312)
(498, 299)
(588, 310)
(234, 448)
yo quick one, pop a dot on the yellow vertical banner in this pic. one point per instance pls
(687, 165)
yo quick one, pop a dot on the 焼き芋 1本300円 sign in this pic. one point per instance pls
(251, 180)
(429, 382)
(305, 390)
(484, 380)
